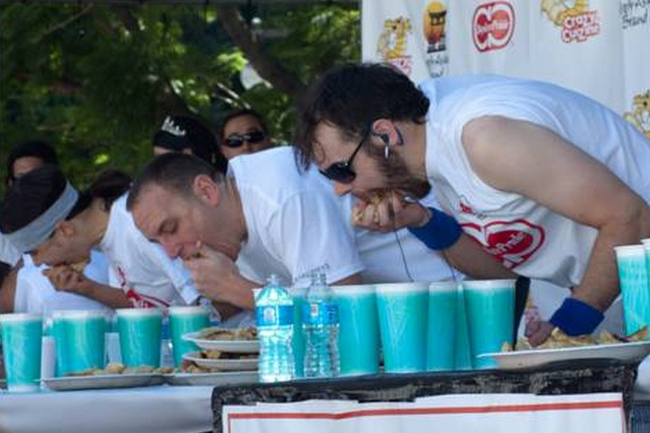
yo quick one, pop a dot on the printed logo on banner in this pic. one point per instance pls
(434, 28)
(577, 22)
(510, 242)
(634, 13)
(493, 25)
(640, 114)
(392, 43)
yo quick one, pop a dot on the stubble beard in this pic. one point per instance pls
(396, 173)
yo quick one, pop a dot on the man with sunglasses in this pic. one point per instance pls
(545, 180)
(243, 131)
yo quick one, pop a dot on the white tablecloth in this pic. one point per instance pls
(160, 409)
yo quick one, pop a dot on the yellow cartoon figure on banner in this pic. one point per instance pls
(392, 43)
(558, 10)
(434, 20)
(640, 114)
(576, 21)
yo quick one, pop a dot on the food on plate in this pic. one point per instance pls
(559, 339)
(219, 354)
(214, 333)
(119, 368)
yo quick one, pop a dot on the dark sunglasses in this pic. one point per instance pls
(341, 171)
(236, 140)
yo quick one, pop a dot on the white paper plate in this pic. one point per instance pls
(244, 364)
(102, 381)
(631, 352)
(232, 346)
(213, 379)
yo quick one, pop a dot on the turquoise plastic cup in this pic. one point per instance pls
(79, 340)
(298, 341)
(358, 329)
(463, 351)
(402, 311)
(183, 320)
(489, 305)
(21, 348)
(441, 332)
(635, 288)
(140, 331)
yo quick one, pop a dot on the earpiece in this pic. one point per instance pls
(385, 138)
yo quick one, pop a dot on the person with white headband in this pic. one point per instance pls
(35, 203)
(147, 277)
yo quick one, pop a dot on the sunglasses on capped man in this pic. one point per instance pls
(236, 140)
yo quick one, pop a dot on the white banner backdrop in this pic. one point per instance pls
(487, 413)
(598, 47)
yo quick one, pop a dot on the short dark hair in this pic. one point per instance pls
(109, 185)
(239, 113)
(351, 97)
(198, 137)
(35, 148)
(174, 172)
(30, 196)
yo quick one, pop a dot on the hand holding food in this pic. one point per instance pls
(388, 210)
(67, 278)
(213, 272)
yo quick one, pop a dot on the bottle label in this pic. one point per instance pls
(320, 313)
(274, 315)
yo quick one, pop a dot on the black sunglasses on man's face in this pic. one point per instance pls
(341, 171)
(236, 140)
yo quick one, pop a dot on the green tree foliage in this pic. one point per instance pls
(97, 80)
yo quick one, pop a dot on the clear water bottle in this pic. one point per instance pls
(274, 317)
(320, 317)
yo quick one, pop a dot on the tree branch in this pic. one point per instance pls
(266, 67)
(73, 18)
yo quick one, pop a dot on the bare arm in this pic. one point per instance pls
(533, 161)
(66, 279)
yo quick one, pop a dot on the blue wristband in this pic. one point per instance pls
(575, 317)
(441, 232)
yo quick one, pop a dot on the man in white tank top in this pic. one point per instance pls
(545, 180)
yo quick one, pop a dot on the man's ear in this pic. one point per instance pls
(66, 227)
(384, 129)
(206, 189)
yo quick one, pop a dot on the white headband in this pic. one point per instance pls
(8, 253)
(37, 232)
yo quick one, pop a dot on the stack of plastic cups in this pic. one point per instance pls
(633, 280)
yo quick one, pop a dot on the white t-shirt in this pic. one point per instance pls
(35, 293)
(141, 268)
(293, 221)
(525, 236)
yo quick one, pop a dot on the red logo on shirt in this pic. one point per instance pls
(493, 25)
(511, 242)
(138, 300)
